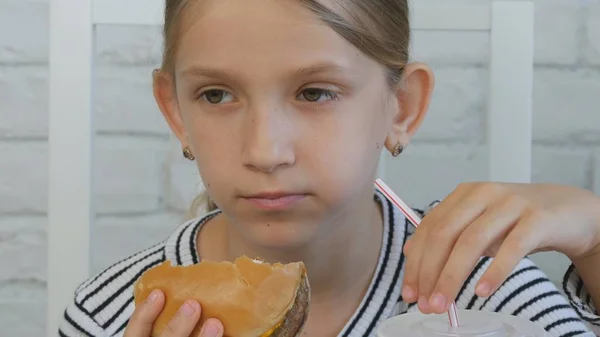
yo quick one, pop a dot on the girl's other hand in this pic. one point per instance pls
(504, 221)
(181, 325)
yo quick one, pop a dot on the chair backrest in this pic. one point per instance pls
(71, 129)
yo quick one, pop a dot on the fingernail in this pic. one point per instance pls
(188, 308)
(407, 293)
(153, 296)
(483, 289)
(438, 301)
(209, 330)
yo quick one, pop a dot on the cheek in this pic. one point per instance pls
(358, 133)
(216, 152)
(348, 148)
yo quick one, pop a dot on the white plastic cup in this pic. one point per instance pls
(472, 324)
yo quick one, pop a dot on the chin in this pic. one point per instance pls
(280, 236)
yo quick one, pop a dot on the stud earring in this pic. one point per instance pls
(398, 149)
(187, 153)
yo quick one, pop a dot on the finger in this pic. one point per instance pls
(184, 321)
(212, 328)
(414, 250)
(439, 212)
(407, 245)
(526, 236)
(443, 237)
(411, 269)
(142, 319)
(489, 228)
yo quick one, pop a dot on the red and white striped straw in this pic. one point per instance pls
(415, 220)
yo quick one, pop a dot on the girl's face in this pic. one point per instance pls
(286, 119)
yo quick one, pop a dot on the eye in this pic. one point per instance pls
(216, 96)
(316, 94)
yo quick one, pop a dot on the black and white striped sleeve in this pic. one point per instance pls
(527, 293)
(103, 304)
(580, 299)
(77, 322)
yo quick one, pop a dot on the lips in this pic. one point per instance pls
(274, 200)
(271, 195)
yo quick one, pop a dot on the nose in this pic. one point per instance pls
(268, 139)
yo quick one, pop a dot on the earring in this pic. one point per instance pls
(398, 149)
(187, 153)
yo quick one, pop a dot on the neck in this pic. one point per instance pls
(342, 259)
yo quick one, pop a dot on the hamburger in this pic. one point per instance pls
(250, 297)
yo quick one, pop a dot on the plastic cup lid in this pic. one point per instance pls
(472, 324)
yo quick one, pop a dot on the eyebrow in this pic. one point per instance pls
(321, 68)
(199, 71)
(312, 70)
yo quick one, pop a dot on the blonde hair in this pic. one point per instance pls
(201, 201)
(378, 28)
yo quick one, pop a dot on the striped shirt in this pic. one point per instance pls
(103, 304)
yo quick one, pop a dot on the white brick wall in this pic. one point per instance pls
(143, 184)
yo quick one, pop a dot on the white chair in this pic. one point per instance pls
(509, 115)
(72, 23)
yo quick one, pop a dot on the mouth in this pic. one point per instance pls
(274, 200)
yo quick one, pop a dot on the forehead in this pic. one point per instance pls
(261, 34)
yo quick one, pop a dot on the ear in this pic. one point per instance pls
(413, 97)
(166, 98)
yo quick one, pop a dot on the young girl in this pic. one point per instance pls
(285, 107)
